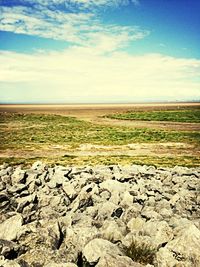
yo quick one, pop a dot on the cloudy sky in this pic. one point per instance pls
(83, 51)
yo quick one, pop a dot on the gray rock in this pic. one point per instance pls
(159, 231)
(149, 213)
(63, 211)
(10, 264)
(113, 230)
(115, 260)
(70, 190)
(18, 176)
(165, 258)
(187, 243)
(24, 201)
(166, 213)
(98, 248)
(103, 173)
(67, 264)
(127, 200)
(114, 186)
(17, 188)
(132, 212)
(174, 199)
(4, 200)
(7, 247)
(2, 185)
(105, 195)
(136, 224)
(105, 210)
(51, 232)
(10, 228)
(39, 166)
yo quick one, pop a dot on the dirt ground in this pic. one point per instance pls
(93, 113)
(158, 149)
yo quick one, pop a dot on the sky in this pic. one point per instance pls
(99, 51)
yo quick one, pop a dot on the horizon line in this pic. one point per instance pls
(99, 103)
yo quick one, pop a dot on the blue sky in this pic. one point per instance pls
(99, 51)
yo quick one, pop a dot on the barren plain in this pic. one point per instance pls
(92, 136)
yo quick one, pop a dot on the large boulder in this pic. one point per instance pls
(165, 258)
(67, 264)
(98, 248)
(136, 224)
(11, 227)
(117, 261)
(159, 231)
(18, 176)
(186, 245)
(113, 230)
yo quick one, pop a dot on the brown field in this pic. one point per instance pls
(93, 113)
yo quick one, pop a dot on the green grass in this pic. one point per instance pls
(141, 252)
(33, 131)
(190, 115)
(184, 161)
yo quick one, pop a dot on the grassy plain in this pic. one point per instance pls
(82, 136)
(181, 115)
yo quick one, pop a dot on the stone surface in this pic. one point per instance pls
(187, 243)
(164, 258)
(159, 231)
(11, 227)
(115, 260)
(136, 224)
(67, 264)
(18, 176)
(85, 216)
(98, 248)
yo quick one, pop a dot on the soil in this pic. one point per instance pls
(93, 113)
(143, 149)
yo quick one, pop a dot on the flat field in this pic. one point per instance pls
(158, 134)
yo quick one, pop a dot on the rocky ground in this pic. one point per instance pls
(101, 216)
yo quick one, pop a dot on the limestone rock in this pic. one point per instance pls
(111, 230)
(17, 188)
(24, 201)
(114, 186)
(164, 258)
(127, 200)
(38, 165)
(10, 228)
(69, 190)
(98, 248)
(106, 210)
(67, 264)
(159, 231)
(62, 216)
(136, 224)
(18, 176)
(4, 200)
(7, 248)
(187, 243)
(149, 213)
(11, 264)
(114, 260)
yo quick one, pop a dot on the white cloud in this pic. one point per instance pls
(81, 28)
(80, 74)
(100, 3)
(85, 71)
(82, 4)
